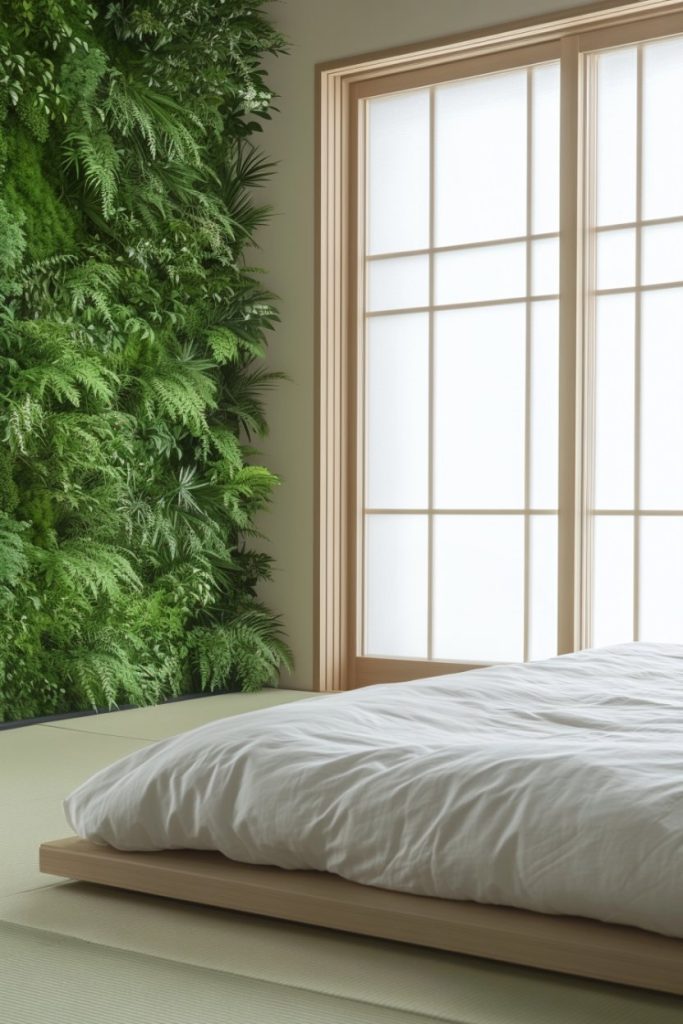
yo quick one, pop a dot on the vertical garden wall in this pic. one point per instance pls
(131, 340)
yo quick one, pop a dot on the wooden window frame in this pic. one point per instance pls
(340, 88)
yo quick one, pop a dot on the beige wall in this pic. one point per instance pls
(322, 30)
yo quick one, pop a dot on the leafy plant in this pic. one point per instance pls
(130, 338)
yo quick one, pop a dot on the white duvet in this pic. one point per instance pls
(555, 786)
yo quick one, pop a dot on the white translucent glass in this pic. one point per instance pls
(614, 401)
(542, 587)
(545, 266)
(484, 272)
(544, 404)
(616, 142)
(616, 259)
(661, 473)
(661, 579)
(479, 588)
(662, 256)
(479, 407)
(398, 284)
(396, 586)
(398, 172)
(545, 142)
(397, 413)
(480, 166)
(662, 135)
(612, 580)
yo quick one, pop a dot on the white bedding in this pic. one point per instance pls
(555, 786)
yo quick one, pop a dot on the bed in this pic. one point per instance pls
(528, 813)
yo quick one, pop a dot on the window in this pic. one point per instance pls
(502, 349)
(636, 230)
(460, 369)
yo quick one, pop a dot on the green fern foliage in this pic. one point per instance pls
(131, 337)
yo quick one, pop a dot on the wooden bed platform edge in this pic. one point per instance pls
(570, 945)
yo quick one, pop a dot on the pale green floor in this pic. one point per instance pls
(85, 955)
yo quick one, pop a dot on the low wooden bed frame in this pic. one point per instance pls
(571, 945)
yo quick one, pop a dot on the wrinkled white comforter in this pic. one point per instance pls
(555, 786)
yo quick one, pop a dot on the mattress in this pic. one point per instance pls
(553, 786)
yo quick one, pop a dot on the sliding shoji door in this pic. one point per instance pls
(636, 286)
(458, 370)
(502, 347)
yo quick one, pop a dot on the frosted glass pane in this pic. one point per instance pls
(545, 266)
(398, 284)
(396, 586)
(661, 579)
(397, 423)
(398, 172)
(481, 158)
(479, 407)
(616, 259)
(479, 588)
(545, 160)
(662, 135)
(485, 272)
(544, 408)
(616, 136)
(614, 401)
(542, 587)
(661, 471)
(662, 253)
(612, 580)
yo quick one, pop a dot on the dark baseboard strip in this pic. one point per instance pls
(21, 722)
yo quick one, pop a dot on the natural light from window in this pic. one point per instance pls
(461, 369)
(637, 540)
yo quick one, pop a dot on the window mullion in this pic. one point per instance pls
(571, 520)
(638, 346)
(430, 452)
(527, 359)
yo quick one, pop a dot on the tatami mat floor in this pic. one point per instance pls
(78, 953)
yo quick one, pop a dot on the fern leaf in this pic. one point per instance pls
(87, 567)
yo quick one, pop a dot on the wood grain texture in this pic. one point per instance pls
(577, 946)
(341, 89)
